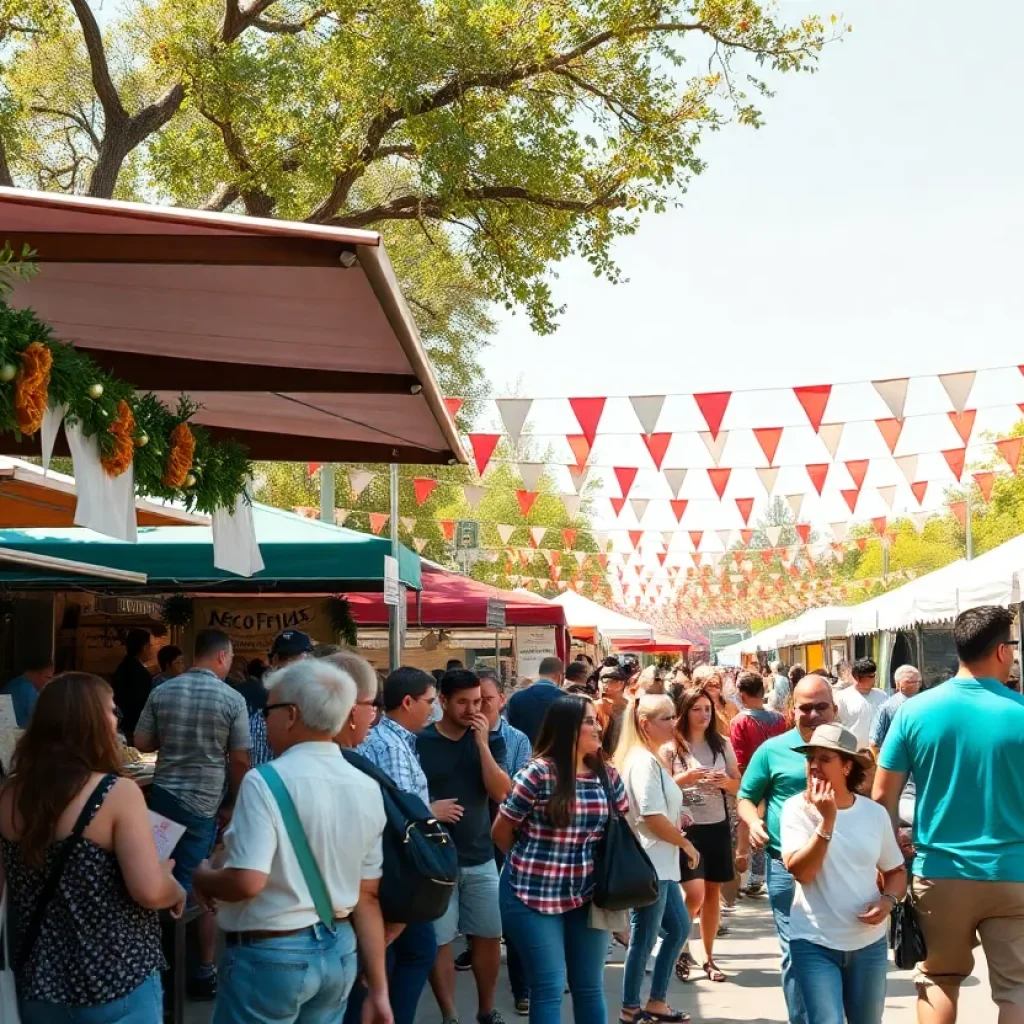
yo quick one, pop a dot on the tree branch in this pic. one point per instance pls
(113, 110)
(257, 202)
(5, 168)
(222, 198)
(289, 28)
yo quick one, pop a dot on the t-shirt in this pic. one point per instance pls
(825, 910)
(856, 711)
(24, 696)
(526, 708)
(752, 727)
(705, 802)
(453, 770)
(775, 773)
(132, 684)
(651, 790)
(883, 720)
(781, 690)
(963, 742)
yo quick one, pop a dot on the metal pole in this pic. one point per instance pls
(967, 528)
(395, 612)
(885, 557)
(327, 493)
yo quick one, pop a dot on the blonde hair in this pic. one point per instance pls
(650, 681)
(704, 674)
(632, 736)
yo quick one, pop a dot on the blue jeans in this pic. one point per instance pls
(293, 979)
(669, 918)
(143, 1006)
(197, 842)
(834, 982)
(780, 898)
(560, 946)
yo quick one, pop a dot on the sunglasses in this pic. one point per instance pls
(265, 712)
(808, 709)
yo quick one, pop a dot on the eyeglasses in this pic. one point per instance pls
(590, 720)
(808, 709)
(265, 712)
(371, 703)
(427, 700)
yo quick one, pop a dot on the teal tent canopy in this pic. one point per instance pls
(299, 555)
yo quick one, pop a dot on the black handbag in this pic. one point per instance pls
(905, 935)
(624, 875)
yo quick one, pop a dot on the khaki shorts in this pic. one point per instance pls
(952, 912)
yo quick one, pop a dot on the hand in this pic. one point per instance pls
(391, 931)
(224, 817)
(717, 778)
(692, 853)
(377, 1008)
(203, 898)
(481, 729)
(822, 797)
(449, 811)
(742, 862)
(758, 835)
(875, 913)
(691, 777)
(179, 905)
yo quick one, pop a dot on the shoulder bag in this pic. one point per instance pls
(8, 990)
(625, 878)
(905, 935)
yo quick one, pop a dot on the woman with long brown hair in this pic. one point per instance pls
(81, 866)
(702, 762)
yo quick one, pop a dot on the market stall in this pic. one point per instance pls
(588, 620)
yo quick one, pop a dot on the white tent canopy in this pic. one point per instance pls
(582, 613)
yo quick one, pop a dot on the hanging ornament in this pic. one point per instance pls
(190, 480)
(7, 372)
(142, 440)
(96, 390)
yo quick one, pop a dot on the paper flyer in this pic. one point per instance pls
(166, 833)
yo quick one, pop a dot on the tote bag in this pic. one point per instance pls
(8, 995)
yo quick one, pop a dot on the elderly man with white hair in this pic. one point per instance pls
(907, 680)
(298, 882)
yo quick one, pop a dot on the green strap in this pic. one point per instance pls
(307, 862)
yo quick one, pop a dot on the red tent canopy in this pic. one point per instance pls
(449, 600)
(661, 645)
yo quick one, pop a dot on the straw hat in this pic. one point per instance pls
(841, 740)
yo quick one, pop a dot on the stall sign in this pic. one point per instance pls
(253, 623)
(495, 613)
(533, 645)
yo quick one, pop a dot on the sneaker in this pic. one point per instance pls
(490, 1018)
(754, 889)
(449, 1020)
(202, 988)
(464, 961)
(727, 909)
(523, 1007)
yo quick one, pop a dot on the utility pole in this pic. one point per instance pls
(967, 528)
(396, 613)
(327, 493)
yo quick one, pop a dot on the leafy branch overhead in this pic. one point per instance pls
(508, 133)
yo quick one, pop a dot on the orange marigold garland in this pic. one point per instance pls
(32, 387)
(123, 431)
(179, 460)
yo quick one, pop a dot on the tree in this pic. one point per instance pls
(508, 133)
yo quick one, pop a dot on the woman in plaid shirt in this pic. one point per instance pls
(550, 827)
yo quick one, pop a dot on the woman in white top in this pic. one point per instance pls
(655, 806)
(835, 844)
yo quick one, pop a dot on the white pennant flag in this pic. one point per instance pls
(531, 472)
(537, 533)
(419, 543)
(505, 532)
(581, 557)
(579, 478)
(796, 502)
(894, 394)
(839, 531)
(52, 420)
(919, 520)
(888, 494)
(908, 466)
(666, 536)
(716, 561)
(715, 445)
(358, 479)
(513, 413)
(958, 387)
(647, 409)
(723, 537)
(773, 533)
(639, 506)
(831, 434)
(408, 522)
(473, 494)
(674, 478)
(572, 505)
(340, 515)
(768, 475)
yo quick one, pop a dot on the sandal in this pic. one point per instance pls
(672, 1017)
(640, 1017)
(712, 971)
(683, 967)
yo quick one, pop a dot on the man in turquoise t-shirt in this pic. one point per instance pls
(775, 773)
(963, 741)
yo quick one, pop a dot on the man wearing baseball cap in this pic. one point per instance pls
(289, 646)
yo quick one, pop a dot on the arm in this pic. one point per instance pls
(805, 863)
(503, 833)
(145, 743)
(238, 765)
(886, 791)
(146, 738)
(232, 885)
(753, 790)
(496, 782)
(368, 923)
(238, 745)
(894, 880)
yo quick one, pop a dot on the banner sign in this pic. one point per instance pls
(252, 623)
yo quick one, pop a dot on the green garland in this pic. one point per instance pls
(176, 610)
(219, 468)
(343, 623)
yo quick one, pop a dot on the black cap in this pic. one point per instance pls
(290, 643)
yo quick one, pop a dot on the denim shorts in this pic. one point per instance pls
(473, 909)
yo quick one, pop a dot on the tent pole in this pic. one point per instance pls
(327, 493)
(396, 613)
(967, 529)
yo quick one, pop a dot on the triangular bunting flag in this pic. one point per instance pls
(964, 423)
(674, 478)
(919, 489)
(505, 532)
(920, 520)
(745, 506)
(831, 434)
(358, 480)
(768, 477)
(890, 431)
(666, 538)
(862, 543)
(579, 478)
(454, 406)
(447, 528)
(719, 480)
(796, 502)
(768, 438)
(839, 531)
(888, 494)
(625, 475)
(803, 531)
(958, 387)
(985, 481)
(879, 523)
(712, 407)
(959, 509)
(814, 399)
(473, 494)
(1010, 448)
(894, 394)
(424, 488)
(657, 445)
(419, 543)
(408, 523)
(526, 500)
(858, 469)
(530, 473)
(513, 413)
(639, 506)
(588, 415)
(634, 537)
(377, 521)
(580, 449)
(312, 467)
(537, 534)
(773, 533)
(580, 556)
(569, 538)
(572, 505)
(647, 409)
(483, 446)
(618, 504)
(818, 474)
(678, 506)
(340, 515)
(851, 498)
(696, 536)
(715, 445)
(746, 536)
(955, 458)
(908, 467)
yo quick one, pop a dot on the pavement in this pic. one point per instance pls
(748, 955)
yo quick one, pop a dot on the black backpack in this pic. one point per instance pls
(420, 861)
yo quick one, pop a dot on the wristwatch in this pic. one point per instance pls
(889, 896)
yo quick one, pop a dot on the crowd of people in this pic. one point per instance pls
(733, 784)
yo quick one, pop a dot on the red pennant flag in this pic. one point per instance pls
(890, 430)
(634, 537)
(745, 506)
(964, 423)
(858, 469)
(580, 449)
(818, 472)
(919, 488)
(719, 480)
(618, 504)
(625, 475)
(657, 445)
(454, 406)
(985, 482)
(1010, 448)
(959, 509)
(768, 438)
(767, 554)
(695, 538)
(526, 500)
(851, 498)
(602, 560)
(678, 506)
(377, 521)
(424, 487)
(568, 537)
(447, 528)
(879, 523)
(588, 415)
(804, 531)
(712, 406)
(312, 467)
(862, 543)
(483, 448)
(746, 536)
(662, 555)
(955, 460)
(814, 399)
